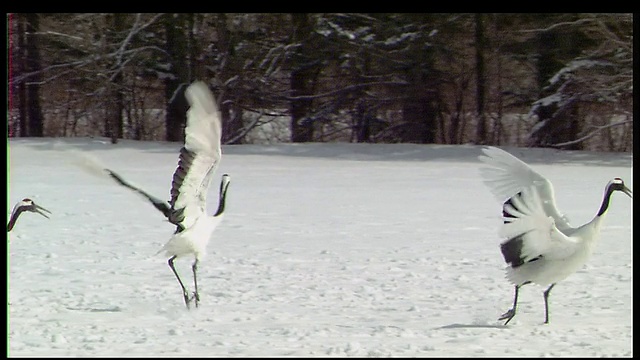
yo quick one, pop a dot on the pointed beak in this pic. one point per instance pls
(627, 191)
(40, 210)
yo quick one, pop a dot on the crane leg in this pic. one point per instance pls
(196, 296)
(185, 293)
(546, 303)
(512, 312)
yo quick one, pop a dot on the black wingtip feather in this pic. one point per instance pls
(512, 248)
(160, 205)
(184, 163)
(511, 251)
(177, 216)
(509, 202)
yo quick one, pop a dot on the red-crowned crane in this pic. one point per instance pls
(540, 245)
(197, 162)
(22, 206)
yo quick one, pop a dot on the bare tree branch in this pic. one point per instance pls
(346, 88)
(556, 25)
(592, 133)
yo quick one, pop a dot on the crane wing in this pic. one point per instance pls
(198, 158)
(93, 166)
(530, 232)
(506, 175)
(157, 203)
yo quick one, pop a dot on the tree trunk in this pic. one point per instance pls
(34, 65)
(419, 114)
(302, 78)
(364, 113)
(114, 122)
(175, 85)
(481, 129)
(557, 122)
(419, 111)
(363, 122)
(22, 68)
(231, 113)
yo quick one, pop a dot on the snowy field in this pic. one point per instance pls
(326, 250)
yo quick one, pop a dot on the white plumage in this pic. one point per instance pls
(540, 245)
(200, 155)
(198, 160)
(507, 175)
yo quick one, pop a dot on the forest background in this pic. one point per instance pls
(539, 80)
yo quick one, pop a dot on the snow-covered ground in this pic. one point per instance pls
(325, 250)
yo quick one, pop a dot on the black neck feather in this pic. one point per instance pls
(223, 196)
(14, 218)
(605, 201)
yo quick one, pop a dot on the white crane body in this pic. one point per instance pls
(539, 246)
(197, 162)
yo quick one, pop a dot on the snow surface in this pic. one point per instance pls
(326, 250)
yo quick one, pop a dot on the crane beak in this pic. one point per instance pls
(627, 191)
(40, 210)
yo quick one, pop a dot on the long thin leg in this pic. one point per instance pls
(195, 281)
(184, 289)
(512, 312)
(546, 303)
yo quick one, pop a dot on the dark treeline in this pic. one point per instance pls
(552, 80)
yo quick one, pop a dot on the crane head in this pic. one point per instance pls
(33, 207)
(618, 184)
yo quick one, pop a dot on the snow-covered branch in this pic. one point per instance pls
(592, 133)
